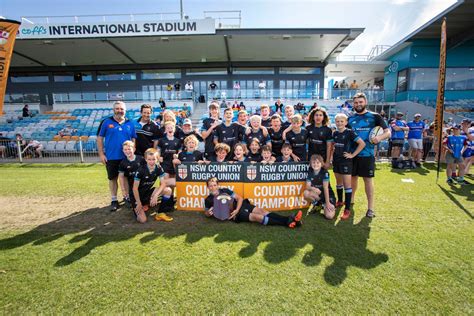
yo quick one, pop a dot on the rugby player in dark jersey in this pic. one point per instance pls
(257, 131)
(227, 132)
(297, 137)
(241, 210)
(190, 154)
(343, 142)
(319, 135)
(168, 146)
(254, 154)
(207, 129)
(318, 190)
(276, 135)
(286, 152)
(187, 130)
(265, 115)
(221, 153)
(240, 151)
(127, 169)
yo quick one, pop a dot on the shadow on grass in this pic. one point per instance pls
(345, 242)
(460, 191)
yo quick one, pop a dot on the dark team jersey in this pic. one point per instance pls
(242, 130)
(213, 158)
(148, 178)
(209, 200)
(209, 142)
(317, 179)
(130, 167)
(146, 135)
(318, 137)
(343, 142)
(258, 135)
(227, 134)
(178, 132)
(298, 143)
(168, 147)
(362, 124)
(281, 159)
(277, 140)
(257, 157)
(245, 159)
(185, 156)
(287, 124)
(267, 122)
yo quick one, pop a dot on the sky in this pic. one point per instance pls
(385, 21)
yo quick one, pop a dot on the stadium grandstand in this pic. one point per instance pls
(70, 70)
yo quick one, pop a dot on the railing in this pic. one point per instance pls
(130, 96)
(21, 98)
(225, 19)
(102, 18)
(296, 94)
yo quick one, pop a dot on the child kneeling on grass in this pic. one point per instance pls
(224, 204)
(145, 195)
(318, 190)
(127, 169)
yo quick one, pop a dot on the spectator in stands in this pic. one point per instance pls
(242, 105)
(415, 138)
(162, 104)
(315, 105)
(450, 122)
(236, 90)
(186, 110)
(336, 85)
(236, 106)
(279, 107)
(169, 89)
(113, 133)
(177, 88)
(188, 86)
(212, 86)
(262, 86)
(344, 85)
(3, 145)
(299, 107)
(67, 131)
(12, 147)
(34, 148)
(354, 85)
(26, 111)
(148, 132)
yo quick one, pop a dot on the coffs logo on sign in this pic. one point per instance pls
(35, 30)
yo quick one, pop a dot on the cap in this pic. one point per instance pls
(457, 126)
(187, 122)
(417, 115)
(466, 120)
(399, 114)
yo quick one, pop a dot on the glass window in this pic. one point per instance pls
(161, 74)
(253, 71)
(402, 80)
(300, 70)
(206, 71)
(70, 77)
(82, 76)
(116, 75)
(460, 79)
(423, 79)
(63, 77)
(29, 78)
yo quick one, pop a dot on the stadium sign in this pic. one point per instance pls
(116, 29)
(274, 187)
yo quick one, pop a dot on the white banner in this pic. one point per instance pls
(116, 29)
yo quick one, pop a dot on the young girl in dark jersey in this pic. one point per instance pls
(318, 190)
(319, 135)
(168, 146)
(239, 153)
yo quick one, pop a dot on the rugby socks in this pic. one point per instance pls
(114, 198)
(348, 197)
(275, 219)
(339, 189)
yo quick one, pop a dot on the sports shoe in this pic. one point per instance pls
(463, 182)
(114, 206)
(346, 214)
(370, 214)
(450, 181)
(310, 209)
(163, 217)
(339, 204)
(127, 202)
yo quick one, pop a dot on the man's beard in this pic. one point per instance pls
(359, 109)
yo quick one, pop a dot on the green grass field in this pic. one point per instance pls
(415, 257)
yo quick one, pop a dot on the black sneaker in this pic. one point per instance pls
(450, 181)
(114, 206)
(370, 214)
(127, 202)
(463, 182)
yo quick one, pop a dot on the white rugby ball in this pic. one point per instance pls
(376, 131)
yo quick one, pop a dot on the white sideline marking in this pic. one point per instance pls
(409, 180)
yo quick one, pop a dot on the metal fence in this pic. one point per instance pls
(23, 151)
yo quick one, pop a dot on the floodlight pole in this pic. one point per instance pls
(181, 9)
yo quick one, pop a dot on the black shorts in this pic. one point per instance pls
(322, 201)
(342, 167)
(244, 214)
(112, 167)
(363, 166)
(145, 197)
(398, 142)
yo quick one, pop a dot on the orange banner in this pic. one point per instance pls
(438, 121)
(277, 196)
(191, 195)
(8, 31)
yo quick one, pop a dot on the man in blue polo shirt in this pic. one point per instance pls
(363, 165)
(113, 132)
(415, 138)
(399, 127)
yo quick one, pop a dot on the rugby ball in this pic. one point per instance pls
(376, 131)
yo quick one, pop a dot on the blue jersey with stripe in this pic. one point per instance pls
(115, 134)
(456, 143)
(362, 124)
(398, 134)
(416, 129)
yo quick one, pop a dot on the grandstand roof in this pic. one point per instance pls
(460, 28)
(226, 46)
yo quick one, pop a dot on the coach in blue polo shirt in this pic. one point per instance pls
(113, 132)
(363, 165)
(415, 138)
